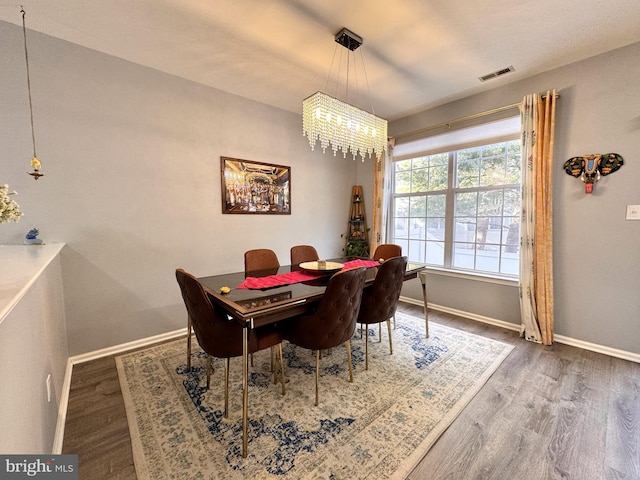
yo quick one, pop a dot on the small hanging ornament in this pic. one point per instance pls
(35, 163)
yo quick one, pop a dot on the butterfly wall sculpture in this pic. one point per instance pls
(591, 167)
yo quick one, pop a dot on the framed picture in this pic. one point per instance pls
(253, 187)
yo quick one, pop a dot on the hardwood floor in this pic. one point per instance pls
(554, 412)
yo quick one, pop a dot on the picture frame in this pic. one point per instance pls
(250, 187)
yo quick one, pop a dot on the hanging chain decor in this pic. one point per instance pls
(35, 163)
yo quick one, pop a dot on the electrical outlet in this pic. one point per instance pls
(49, 388)
(633, 212)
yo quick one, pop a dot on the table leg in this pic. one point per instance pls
(423, 281)
(245, 387)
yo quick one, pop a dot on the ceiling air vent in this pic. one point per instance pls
(497, 73)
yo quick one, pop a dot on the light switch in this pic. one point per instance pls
(633, 212)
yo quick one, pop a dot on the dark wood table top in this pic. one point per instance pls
(260, 307)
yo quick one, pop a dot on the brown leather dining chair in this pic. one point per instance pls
(334, 320)
(220, 336)
(383, 252)
(303, 253)
(261, 261)
(380, 300)
(387, 250)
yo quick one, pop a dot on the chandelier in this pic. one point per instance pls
(344, 126)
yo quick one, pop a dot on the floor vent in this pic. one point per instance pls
(497, 73)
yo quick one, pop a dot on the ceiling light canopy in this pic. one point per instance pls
(344, 126)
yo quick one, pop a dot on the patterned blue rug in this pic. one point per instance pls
(378, 427)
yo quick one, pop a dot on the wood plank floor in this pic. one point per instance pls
(554, 412)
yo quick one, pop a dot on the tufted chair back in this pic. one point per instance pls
(379, 301)
(334, 321)
(261, 260)
(386, 251)
(218, 335)
(303, 253)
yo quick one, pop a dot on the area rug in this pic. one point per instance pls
(377, 427)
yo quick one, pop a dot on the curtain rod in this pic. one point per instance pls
(462, 119)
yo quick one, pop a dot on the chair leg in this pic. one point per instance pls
(226, 387)
(348, 345)
(279, 354)
(317, 373)
(188, 343)
(366, 351)
(390, 339)
(208, 371)
(380, 333)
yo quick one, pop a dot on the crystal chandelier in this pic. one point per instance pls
(345, 127)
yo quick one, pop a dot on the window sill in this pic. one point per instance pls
(479, 277)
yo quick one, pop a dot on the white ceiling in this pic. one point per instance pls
(417, 53)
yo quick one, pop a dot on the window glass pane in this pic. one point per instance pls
(465, 229)
(402, 207)
(463, 255)
(419, 180)
(467, 173)
(490, 202)
(439, 159)
(418, 206)
(438, 178)
(421, 162)
(401, 228)
(512, 201)
(435, 253)
(416, 251)
(435, 228)
(436, 205)
(417, 228)
(466, 204)
(402, 181)
(510, 264)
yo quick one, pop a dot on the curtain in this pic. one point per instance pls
(536, 229)
(381, 197)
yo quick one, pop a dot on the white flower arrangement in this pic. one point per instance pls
(9, 209)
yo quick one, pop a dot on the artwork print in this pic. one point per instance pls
(250, 187)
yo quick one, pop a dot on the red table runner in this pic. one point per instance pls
(260, 283)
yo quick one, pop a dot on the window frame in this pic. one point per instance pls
(450, 193)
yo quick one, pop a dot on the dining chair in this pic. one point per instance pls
(380, 299)
(221, 337)
(303, 253)
(334, 320)
(387, 250)
(261, 260)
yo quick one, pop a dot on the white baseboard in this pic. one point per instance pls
(612, 352)
(85, 357)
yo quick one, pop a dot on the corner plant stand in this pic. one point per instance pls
(358, 234)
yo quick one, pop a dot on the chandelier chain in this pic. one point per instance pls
(26, 58)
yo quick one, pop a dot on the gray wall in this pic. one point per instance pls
(596, 258)
(133, 188)
(132, 185)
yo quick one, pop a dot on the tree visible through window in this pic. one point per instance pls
(461, 209)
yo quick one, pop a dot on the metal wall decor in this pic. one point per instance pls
(590, 167)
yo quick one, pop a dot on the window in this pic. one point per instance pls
(460, 209)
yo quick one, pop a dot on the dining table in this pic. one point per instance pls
(259, 298)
